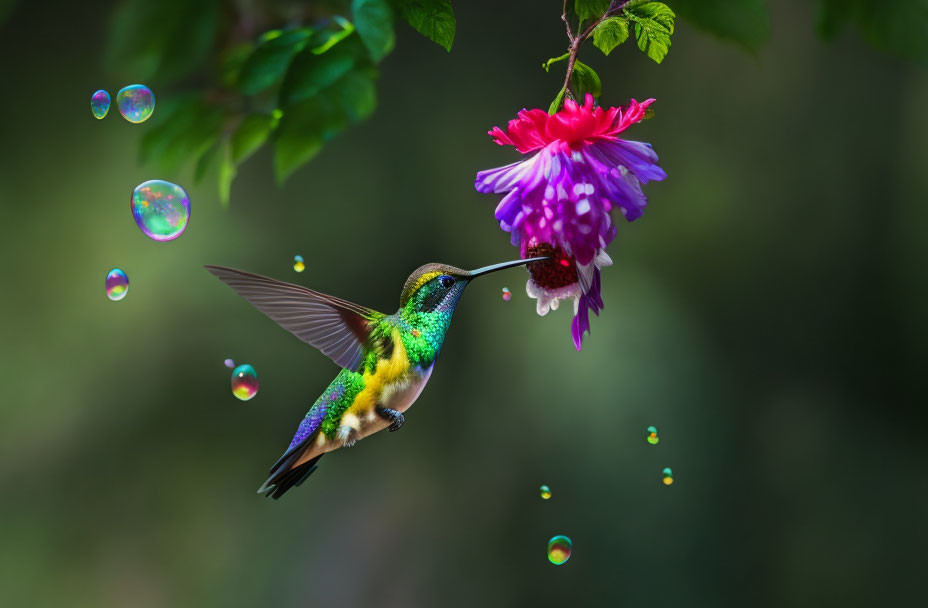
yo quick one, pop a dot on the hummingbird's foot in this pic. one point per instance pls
(396, 419)
(346, 436)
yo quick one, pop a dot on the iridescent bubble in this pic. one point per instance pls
(298, 264)
(544, 492)
(229, 363)
(244, 382)
(161, 209)
(507, 295)
(668, 476)
(559, 548)
(100, 103)
(652, 435)
(117, 284)
(136, 102)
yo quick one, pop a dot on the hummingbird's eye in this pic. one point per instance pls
(446, 281)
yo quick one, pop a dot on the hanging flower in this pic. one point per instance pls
(559, 200)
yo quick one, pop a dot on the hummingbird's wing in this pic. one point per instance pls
(338, 328)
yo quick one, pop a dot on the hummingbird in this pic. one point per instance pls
(386, 360)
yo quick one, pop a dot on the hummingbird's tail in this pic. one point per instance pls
(283, 477)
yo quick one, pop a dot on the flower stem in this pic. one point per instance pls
(577, 41)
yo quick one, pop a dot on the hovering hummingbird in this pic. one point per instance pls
(386, 360)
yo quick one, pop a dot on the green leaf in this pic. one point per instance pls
(227, 172)
(610, 33)
(205, 163)
(899, 27)
(374, 22)
(434, 19)
(250, 135)
(268, 63)
(585, 80)
(311, 72)
(547, 64)
(654, 23)
(744, 22)
(590, 9)
(333, 38)
(160, 42)
(303, 129)
(185, 128)
(354, 94)
(558, 101)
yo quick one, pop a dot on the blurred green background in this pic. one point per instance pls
(767, 315)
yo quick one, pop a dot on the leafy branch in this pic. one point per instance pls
(309, 76)
(608, 22)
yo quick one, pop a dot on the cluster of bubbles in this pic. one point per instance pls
(507, 295)
(117, 284)
(544, 492)
(161, 209)
(244, 382)
(298, 264)
(668, 476)
(559, 548)
(653, 439)
(652, 435)
(136, 103)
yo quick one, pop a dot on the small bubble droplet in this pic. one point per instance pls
(244, 382)
(544, 492)
(100, 103)
(229, 363)
(507, 295)
(298, 264)
(136, 102)
(117, 284)
(668, 476)
(559, 548)
(652, 435)
(161, 209)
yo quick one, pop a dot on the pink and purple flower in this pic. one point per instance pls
(558, 201)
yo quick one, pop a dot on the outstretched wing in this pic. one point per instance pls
(338, 328)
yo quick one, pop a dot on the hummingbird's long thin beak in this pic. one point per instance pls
(502, 265)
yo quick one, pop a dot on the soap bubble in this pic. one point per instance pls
(545, 492)
(161, 209)
(117, 284)
(229, 363)
(652, 435)
(507, 295)
(136, 102)
(100, 103)
(668, 476)
(559, 548)
(298, 264)
(244, 382)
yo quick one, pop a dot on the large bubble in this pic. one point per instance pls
(161, 209)
(136, 102)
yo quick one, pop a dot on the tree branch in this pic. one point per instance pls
(577, 41)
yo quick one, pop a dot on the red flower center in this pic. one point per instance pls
(560, 270)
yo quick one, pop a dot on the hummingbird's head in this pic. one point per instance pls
(438, 287)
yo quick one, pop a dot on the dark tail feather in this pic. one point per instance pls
(278, 484)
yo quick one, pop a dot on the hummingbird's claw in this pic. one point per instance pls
(345, 433)
(396, 419)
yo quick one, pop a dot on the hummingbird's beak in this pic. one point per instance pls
(501, 266)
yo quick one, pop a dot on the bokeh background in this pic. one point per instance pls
(767, 315)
